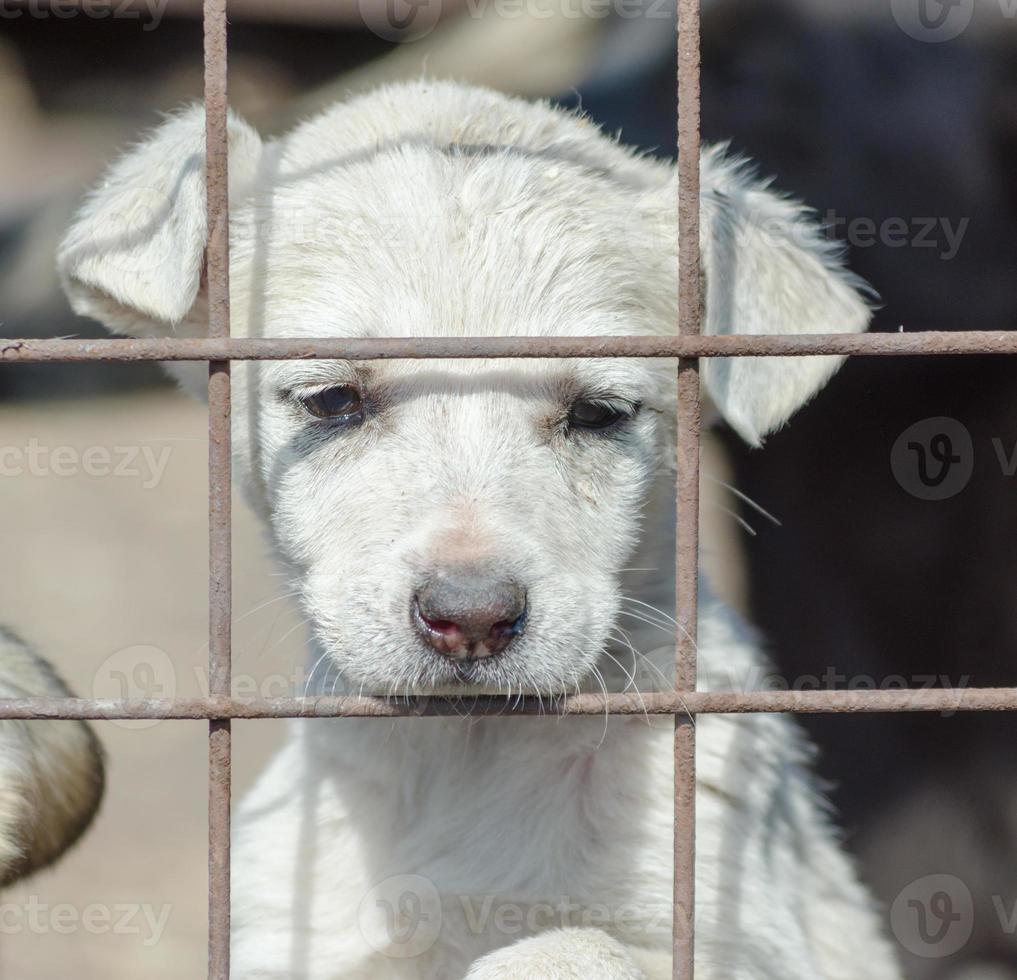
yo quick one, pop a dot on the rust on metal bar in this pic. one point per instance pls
(687, 486)
(219, 486)
(941, 700)
(220, 756)
(217, 277)
(939, 342)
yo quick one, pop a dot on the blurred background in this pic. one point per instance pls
(895, 119)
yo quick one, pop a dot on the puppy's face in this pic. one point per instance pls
(453, 524)
(456, 524)
(463, 524)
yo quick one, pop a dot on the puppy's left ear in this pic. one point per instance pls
(768, 270)
(134, 257)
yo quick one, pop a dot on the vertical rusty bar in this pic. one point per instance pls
(687, 518)
(219, 489)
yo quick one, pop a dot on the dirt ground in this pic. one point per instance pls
(104, 570)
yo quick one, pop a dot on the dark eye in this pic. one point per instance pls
(587, 413)
(343, 402)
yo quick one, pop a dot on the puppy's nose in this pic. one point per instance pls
(468, 612)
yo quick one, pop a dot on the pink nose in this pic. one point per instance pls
(467, 612)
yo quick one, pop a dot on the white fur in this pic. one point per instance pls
(51, 772)
(435, 209)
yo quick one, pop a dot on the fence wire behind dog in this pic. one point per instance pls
(688, 346)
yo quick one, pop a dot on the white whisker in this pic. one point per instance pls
(738, 517)
(745, 498)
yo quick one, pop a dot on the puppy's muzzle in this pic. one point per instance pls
(469, 612)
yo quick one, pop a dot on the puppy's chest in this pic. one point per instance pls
(542, 811)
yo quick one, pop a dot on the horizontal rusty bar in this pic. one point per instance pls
(944, 700)
(16, 351)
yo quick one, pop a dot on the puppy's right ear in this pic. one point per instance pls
(134, 257)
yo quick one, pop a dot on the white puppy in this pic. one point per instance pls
(476, 526)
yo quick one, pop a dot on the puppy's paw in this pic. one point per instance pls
(561, 954)
(51, 772)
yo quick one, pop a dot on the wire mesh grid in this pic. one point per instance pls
(687, 346)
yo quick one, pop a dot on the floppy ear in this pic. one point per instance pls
(768, 270)
(134, 257)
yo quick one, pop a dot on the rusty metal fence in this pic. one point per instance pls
(688, 346)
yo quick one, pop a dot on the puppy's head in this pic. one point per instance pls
(463, 522)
